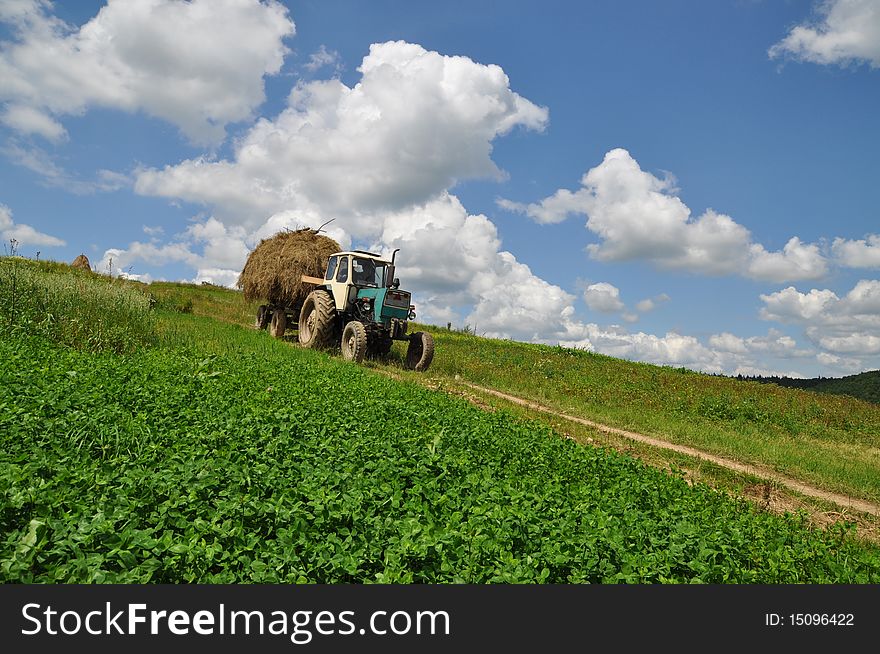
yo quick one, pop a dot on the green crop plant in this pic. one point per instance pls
(236, 458)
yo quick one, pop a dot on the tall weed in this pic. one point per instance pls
(76, 308)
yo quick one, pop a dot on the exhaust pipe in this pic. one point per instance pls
(389, 274)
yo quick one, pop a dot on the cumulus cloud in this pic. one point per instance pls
(839, 325)
(862, 253)
(649, 304)
(844, 365)
(198, 65)
(215, 251)
(845, 31)
(604, 298)
(416, 123)
(672, 349)
(775, 343)
(637, 216)
(23, 234)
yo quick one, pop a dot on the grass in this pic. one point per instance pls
(75, 307)
(830, 441)
(209, 452)
(204, 300)
(221, 455)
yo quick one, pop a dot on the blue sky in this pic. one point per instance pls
(684, 183)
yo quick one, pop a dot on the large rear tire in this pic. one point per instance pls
(317, 320)
(420, 352)
(354, 341)
(279, 323)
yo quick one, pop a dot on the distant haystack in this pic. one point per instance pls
(274, 269)
(82, 262)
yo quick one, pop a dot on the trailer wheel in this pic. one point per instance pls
(354, 341)
(263, 317)
(316, 320)
(279, 323)
(420, 352)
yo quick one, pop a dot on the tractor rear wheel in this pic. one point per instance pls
(263, 317)
(317, 320)
(420, 352)
(279, 323)
(354, 341)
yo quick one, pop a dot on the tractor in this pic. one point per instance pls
(357, 304)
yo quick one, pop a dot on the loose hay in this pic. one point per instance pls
(82, 262)
(274, 269)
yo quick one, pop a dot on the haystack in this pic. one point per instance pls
(274, 269)
(82, 262)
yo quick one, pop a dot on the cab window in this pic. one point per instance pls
(342, 275)
(331, 268)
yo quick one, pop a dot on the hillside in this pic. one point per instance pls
(826, 440)
(864, 386)
(211, 452)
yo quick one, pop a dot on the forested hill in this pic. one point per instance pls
(865, 386)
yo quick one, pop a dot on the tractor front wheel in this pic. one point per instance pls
(354, 341)
(316, 320)
(279, 323)
(420, 352)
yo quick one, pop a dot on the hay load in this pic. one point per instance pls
(82, 262)
(274, 270)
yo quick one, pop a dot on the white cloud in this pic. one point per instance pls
(860, 343)
(604, 298)
(847, 325)
(796, 261)
(727, 342)
(637, 216)
(217, 276)
(323, 57)
(672, 349)
(844, 365)
(846, 31)
(27, 120)
(199, 65)
(23, 234)
(790, 305)
(649, 304)
(775, 343)
(416, 123)
(863, 253)
(215, 251)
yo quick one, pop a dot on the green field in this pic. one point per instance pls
(214, 453)
(830, 441)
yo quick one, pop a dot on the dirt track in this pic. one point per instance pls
(793, 484)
